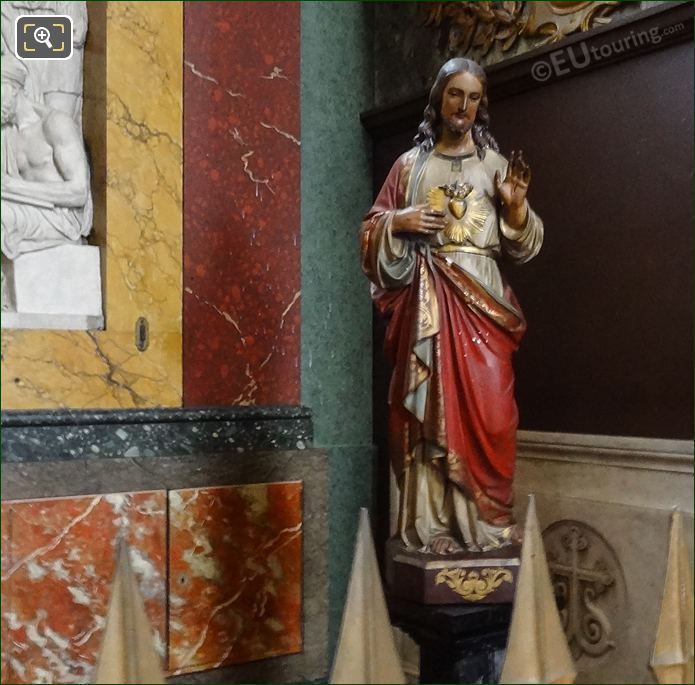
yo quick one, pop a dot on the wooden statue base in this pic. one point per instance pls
(464, 578)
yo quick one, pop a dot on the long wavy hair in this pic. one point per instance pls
(431, 127)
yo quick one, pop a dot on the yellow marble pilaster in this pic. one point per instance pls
(142, 212)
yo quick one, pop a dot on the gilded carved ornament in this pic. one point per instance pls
(472, 585)
(474, 28)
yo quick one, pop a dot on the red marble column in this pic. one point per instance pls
(241, 308)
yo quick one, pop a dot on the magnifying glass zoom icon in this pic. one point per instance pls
(43, 35)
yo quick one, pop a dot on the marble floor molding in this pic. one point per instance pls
(86, 434)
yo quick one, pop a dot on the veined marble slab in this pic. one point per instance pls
(235, 574)
(133, 126)
(57, 565)
(209, 473)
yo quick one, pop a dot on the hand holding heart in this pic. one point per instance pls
(418, 220)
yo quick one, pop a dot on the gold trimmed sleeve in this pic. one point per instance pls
(524, 244)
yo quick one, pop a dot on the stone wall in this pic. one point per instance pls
(134, 122)
(178, 427)
(618, 495)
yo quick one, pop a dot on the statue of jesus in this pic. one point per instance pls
(448, 209)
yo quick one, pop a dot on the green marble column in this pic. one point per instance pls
(337, 84)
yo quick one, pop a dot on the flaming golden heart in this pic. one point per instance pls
(457, 207)
(466, 212)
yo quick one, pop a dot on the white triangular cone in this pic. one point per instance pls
(128, 653)
(672, 660)
(366, 649)
(537, 650)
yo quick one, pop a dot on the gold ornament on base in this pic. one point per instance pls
(472, 585)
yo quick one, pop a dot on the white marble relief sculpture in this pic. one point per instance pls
(56, 83)
(50, 276)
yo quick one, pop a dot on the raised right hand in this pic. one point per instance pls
(418, 220)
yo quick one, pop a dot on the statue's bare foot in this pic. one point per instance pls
(445, 544)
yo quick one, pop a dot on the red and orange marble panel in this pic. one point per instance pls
(6, 674)
(241, 308)
(58, 563)
(235, 565)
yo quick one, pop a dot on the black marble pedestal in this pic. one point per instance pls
(458, 643)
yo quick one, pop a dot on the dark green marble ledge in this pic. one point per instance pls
(101, 434)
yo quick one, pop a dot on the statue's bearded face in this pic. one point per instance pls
(10, 90)
(460, 100)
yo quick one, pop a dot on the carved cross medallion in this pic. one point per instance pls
(582, 574)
